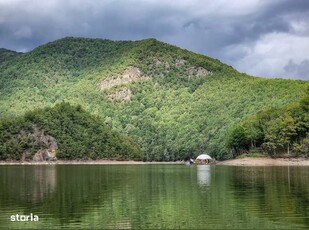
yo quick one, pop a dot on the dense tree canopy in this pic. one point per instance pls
(274, 131)
(183, 105)
(78, 134)
(7, 55)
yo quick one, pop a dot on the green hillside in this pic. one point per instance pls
(277, 130)
(174, 103)
(7, 55)
(64, 132)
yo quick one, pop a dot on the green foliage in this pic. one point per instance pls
(79, 135)
(239, 139)
(185, 109)
(254, 154)
(275, 130)
(7, 55)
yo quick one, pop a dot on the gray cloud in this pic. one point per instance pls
(254, 36)
(300, 70)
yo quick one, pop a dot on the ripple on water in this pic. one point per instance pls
(155, 196)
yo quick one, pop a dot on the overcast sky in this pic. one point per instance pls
(261, 37)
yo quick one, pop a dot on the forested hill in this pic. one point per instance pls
(63, 132)
(176, 104)
(275, 131)
(7, 55)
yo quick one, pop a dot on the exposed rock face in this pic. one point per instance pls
(45, 154)
(188, 69)
(180, 62)
(129, 75)
(46, 145)
(198, 71)
(122, 95)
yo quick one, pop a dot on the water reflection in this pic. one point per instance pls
(44, 182)
(28, 183)
(156, 196)
(277, 192)
(203, 175)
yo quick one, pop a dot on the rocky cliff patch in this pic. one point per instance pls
(42, 146)
(122, 95)
(129, 75)
(162, 67)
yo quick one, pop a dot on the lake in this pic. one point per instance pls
(155, 196)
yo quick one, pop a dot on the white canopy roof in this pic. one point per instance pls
(203, 157)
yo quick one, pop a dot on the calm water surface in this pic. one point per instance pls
(155, 196)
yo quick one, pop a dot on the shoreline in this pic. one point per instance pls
(265, 161)
(246, 161)
(88, 162)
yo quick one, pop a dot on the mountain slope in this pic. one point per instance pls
(174, 103)
(64, 132)
(7, 55)
(283, 130)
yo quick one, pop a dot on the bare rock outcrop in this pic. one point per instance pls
(198, 71)
(45, 144)
(121, 95)
(188, 69)
(45, 154)
(129, 75)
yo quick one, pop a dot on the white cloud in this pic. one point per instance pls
(269, 55)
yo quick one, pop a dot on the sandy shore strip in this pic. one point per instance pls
(86, 162)
(266, 161)
(247, 161)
